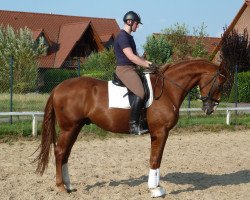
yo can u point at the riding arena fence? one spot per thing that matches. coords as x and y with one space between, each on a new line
17 96
35 115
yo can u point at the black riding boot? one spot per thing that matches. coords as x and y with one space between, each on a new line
134 125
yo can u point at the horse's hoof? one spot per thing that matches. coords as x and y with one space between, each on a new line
61 188
157 192
71 190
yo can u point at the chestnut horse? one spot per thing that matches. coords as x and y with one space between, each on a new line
80 101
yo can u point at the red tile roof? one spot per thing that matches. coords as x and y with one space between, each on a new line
70 33
52 25
37 33
106 38
210 43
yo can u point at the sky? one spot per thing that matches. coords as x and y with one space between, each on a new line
156 15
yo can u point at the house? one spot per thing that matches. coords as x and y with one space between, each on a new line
240 22
67 37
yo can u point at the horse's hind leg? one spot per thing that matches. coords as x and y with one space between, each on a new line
63 148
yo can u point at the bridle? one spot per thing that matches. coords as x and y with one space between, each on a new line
209 95
160 76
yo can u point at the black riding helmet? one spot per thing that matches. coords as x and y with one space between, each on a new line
131 15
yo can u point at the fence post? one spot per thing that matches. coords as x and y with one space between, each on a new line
34 125
11 87
228 117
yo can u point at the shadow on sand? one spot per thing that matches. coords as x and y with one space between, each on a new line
202 181
199 181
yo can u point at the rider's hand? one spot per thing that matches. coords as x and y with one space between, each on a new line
153 68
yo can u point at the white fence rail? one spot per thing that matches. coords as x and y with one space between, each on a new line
33 114
228 111
36 114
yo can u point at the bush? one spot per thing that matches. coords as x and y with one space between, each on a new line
173 44
20 49
193 94
177 36
100 64
243 88
157 49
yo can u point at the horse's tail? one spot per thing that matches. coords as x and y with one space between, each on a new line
48 136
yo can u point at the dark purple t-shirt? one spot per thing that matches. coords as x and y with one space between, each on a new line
123 40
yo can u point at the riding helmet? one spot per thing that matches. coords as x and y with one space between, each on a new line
131 15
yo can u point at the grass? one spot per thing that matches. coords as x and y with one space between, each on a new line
195 123
214 123
23 129
37 102
16 131
23 102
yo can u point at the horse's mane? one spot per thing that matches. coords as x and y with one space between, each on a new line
166 66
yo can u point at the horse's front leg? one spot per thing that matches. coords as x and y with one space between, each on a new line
158 141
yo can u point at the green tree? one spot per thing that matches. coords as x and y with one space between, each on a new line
158 49
177 36
199 49
100 64
20 46
183 47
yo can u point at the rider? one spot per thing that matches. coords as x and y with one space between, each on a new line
127 62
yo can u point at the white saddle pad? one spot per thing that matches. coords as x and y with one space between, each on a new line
117 99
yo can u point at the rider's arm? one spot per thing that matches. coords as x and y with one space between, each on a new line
135 59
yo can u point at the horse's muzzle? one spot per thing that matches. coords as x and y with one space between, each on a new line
209 107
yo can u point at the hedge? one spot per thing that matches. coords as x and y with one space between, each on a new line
243 88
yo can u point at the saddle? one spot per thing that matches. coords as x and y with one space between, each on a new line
131 95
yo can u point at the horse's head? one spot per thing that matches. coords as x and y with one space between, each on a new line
211 87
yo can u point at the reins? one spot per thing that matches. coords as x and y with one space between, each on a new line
203 98
160 75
